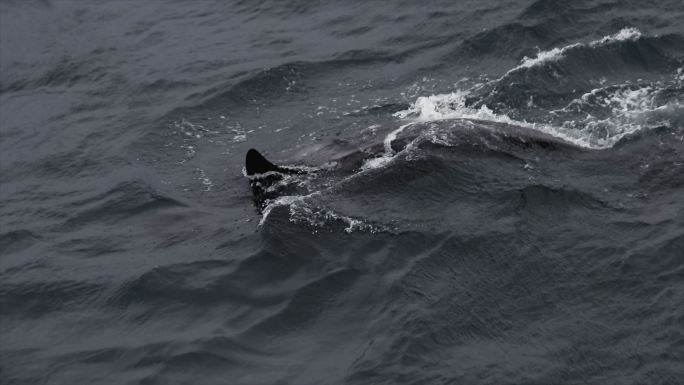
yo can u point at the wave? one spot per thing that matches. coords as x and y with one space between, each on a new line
543 92
17 240
558 53
285 79
27 298
125 200
545 9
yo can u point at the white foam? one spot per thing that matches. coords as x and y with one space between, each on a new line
623 109
558 53
629 110
302 212
448 106
388 155
620 111
629 33
453 106
543 57
378 162
285 200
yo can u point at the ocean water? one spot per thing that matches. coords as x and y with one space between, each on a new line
457 248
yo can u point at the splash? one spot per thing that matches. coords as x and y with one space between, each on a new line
448 106
596 120
606 115
453 106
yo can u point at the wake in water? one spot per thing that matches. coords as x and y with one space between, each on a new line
597 119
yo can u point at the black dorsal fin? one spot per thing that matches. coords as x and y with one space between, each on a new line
255 163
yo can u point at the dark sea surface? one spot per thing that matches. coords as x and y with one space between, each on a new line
465 251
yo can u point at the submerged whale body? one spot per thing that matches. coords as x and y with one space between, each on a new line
268 180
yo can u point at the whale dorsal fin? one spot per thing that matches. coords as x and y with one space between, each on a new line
255 163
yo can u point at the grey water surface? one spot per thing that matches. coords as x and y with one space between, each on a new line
132 251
